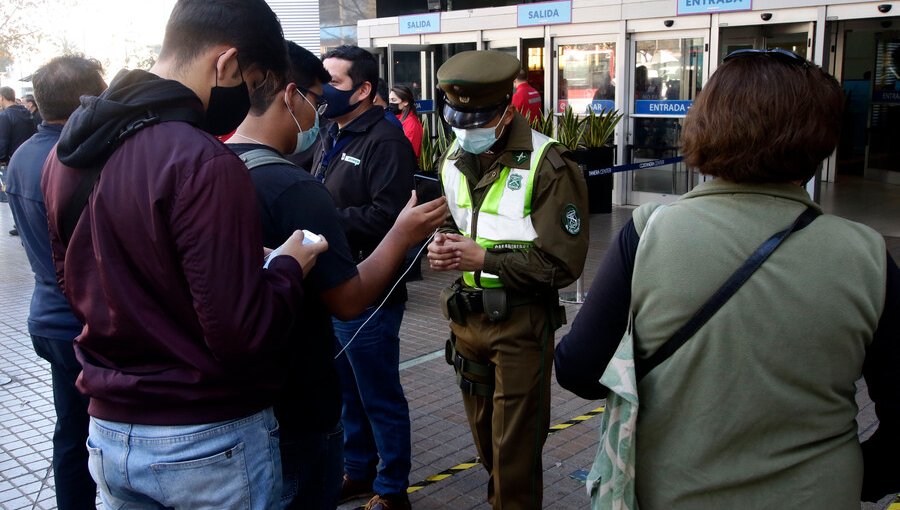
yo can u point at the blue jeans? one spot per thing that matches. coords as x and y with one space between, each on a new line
74 487
375 413
231 464
312 464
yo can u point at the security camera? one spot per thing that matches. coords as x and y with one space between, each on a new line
884 8
766 16
670 22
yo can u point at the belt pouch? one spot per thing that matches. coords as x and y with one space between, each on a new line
496 304
450 305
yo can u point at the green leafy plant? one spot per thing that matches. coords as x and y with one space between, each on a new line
433 146
544 123
444 138
569 128
426 154
598 129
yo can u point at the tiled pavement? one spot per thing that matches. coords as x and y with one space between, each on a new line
440 436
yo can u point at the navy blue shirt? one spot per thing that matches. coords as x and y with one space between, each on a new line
50 314
393 119
290 199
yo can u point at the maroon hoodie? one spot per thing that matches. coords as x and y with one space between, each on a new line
164 268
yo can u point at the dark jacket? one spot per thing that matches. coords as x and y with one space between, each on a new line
50 315
16 126
165 264
370 178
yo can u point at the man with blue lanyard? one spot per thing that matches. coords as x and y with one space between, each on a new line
517 233
368 164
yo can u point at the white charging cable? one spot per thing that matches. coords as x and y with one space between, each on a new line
414 262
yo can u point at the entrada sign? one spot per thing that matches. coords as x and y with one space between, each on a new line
545 13
662 107
708 6
420 24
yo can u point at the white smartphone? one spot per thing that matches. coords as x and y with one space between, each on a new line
308 238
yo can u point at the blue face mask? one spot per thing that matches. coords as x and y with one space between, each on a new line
338 101
305 139
478 140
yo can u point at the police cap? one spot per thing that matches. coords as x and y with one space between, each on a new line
477 85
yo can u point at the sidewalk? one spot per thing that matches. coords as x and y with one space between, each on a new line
440 439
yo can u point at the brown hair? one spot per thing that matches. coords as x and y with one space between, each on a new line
404 93
763 119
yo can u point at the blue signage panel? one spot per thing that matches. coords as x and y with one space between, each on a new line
708 6
662 107
424 105
886 96
602 105
420 24
545 13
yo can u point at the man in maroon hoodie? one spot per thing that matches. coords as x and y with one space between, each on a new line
183 326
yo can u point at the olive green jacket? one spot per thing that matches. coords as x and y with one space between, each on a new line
757 409
557 257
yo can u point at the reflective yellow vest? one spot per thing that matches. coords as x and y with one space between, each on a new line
504 219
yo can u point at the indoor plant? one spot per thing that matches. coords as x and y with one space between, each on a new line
597 152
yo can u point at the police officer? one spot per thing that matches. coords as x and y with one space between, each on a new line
517 233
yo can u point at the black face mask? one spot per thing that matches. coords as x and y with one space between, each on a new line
228 106
394 108
338 101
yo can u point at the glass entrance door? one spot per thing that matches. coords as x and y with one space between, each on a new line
413 66
882 149
586 76
667 75
792 37
867 64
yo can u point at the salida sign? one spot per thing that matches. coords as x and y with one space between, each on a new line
420 24
544 13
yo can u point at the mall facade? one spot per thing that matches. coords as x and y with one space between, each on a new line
649 59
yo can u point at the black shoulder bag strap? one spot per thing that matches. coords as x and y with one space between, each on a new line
71 212
728 289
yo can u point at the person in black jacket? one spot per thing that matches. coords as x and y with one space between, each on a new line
15 128
31 105
15 124
368 164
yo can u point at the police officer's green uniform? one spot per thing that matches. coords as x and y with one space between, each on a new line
525 202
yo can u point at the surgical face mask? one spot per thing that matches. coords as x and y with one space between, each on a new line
394 108
227 108
305 139
338 101
478 140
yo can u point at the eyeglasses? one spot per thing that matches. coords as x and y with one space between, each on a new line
320 106
777 53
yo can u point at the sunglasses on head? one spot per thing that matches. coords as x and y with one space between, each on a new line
320 104
777 53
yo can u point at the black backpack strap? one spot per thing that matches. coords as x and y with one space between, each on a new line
260 157
73 209
728 289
